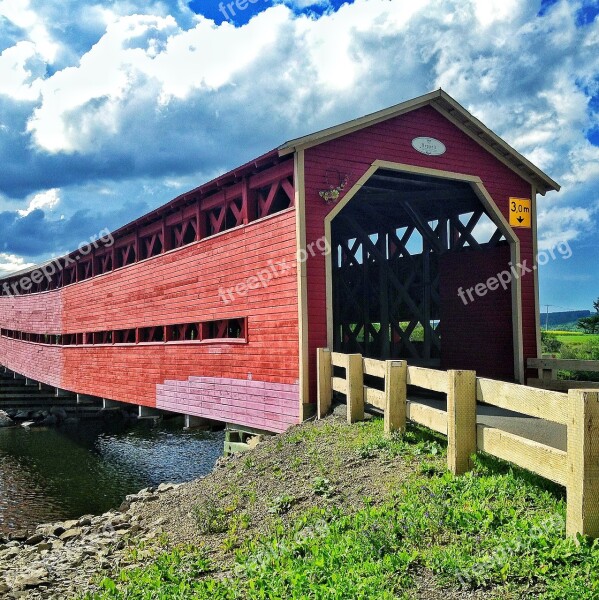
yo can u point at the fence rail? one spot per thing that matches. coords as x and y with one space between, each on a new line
548 368
577 468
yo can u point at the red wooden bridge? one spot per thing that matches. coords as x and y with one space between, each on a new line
374 236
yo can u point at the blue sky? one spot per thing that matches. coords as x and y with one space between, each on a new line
111 108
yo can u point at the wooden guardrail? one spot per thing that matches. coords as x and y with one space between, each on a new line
548 368
577 468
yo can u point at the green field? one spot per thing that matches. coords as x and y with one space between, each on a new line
575 346
575 338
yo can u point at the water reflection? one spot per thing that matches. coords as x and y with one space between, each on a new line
52 474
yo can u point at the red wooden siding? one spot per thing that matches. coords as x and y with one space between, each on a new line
477 335
181 286
391 140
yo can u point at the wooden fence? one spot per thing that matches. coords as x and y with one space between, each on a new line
577 468
548 368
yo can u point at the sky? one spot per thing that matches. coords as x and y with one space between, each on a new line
109 109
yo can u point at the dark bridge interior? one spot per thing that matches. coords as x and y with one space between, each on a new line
387 245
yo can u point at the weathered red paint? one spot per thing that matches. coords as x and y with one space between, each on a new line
179 286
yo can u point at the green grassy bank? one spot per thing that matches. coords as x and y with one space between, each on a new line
334 511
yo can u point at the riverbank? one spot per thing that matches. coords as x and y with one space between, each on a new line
326 510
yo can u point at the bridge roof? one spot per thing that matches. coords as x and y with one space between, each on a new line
452 110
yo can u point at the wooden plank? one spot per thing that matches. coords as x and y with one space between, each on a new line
373 367
583 463
429 379
339 385
324 393
562 385
461 421
566 364
374 397
396 374
355 388
433 418
339 360
546 461
543 404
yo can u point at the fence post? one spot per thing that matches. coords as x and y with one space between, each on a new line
461 420
583 463
355 388
324 395
396 376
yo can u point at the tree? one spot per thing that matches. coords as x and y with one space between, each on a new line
591 324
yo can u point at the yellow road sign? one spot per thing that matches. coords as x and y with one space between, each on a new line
520 212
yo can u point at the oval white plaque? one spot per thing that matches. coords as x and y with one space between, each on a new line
428 146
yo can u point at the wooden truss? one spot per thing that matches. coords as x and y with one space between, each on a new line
386 276
193 217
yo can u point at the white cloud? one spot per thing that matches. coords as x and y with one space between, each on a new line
562 224
20 14
15 74
527 77
47 200
9 263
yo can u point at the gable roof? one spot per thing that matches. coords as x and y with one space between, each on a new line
454 112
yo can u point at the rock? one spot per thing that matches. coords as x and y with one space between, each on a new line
5 420
58 412
36 538
22 414
33 578
44 546
49 529
70 524
165 487
50 420
4 587
72 421
18 536
70 534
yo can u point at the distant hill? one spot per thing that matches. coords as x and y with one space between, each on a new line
560 318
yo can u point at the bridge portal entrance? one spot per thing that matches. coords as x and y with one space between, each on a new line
398 247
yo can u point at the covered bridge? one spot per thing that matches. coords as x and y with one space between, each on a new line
396 235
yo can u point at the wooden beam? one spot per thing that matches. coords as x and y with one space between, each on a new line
542 404
396 378
355 388
375 368
461 421
566 364
430 417
374 397
562 385
546 461
583 463
429 379
324 391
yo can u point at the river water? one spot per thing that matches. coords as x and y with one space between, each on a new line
52 474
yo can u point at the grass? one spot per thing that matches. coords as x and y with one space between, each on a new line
572 345
573 338
498 530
